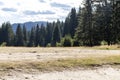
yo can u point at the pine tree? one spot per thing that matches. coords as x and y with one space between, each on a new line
19 36
6 34
56 36
3 33
9 34
25 35
66 29
42 36
116 20
73 22
37 37
84 31
32 38
49 29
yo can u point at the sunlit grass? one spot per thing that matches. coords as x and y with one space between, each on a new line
61 64
106 47
53 49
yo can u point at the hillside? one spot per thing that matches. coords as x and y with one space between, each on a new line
28 25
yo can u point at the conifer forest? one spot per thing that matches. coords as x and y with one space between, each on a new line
96 22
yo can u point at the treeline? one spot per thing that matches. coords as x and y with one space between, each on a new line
97 23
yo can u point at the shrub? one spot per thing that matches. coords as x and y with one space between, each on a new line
66 41
58 44
48 45
3 44
75 43
103 43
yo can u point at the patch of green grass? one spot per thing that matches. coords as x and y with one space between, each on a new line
106 47
61 64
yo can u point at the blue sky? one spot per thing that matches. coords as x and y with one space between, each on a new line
19 11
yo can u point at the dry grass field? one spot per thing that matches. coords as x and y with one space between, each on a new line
21 63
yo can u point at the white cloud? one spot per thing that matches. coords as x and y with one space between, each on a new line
13 10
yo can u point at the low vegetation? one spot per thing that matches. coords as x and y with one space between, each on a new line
61 64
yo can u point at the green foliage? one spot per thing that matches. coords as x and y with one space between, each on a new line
56 36
48 45
42 41
49 30
37 35
25 36
19 38
70 23
32 38
66 41
73 22
94 24
3 44
6 34
75 43
66 29
103 43
58 44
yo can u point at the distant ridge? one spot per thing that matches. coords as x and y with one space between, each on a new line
28 25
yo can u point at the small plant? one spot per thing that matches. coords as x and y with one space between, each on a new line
58 44
66 41
3 44
103 43
48 45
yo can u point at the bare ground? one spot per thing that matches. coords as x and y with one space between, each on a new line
42 54
96 74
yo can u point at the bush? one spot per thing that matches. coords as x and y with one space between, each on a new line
58 44
75 43
66 41
48 45
103 43
3 44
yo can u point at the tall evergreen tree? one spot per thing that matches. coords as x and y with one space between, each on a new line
3 33
42 36
6 34
37 37
66 29
25 35
9 34
49 30
32 38
56 36
73 22
116 20
19 36
84 30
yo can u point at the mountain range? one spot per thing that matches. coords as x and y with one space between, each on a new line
28 25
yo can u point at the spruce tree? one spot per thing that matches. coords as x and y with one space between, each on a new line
56 36
19 38
66 29
42 36
32 38
49 33
7 34
73 22
25 35
37 37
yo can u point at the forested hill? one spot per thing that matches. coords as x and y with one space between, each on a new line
28 25
96 23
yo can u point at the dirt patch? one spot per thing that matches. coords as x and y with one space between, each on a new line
90 74
13 55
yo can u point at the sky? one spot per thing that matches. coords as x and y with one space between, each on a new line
20 11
